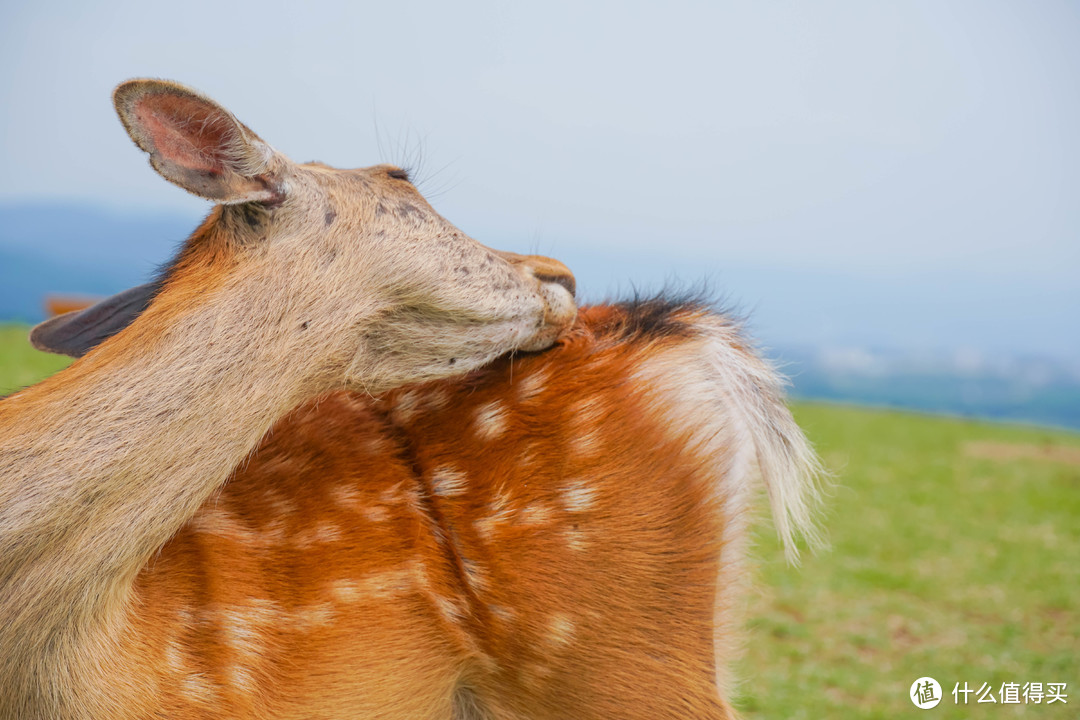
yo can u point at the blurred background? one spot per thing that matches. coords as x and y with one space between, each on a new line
887 190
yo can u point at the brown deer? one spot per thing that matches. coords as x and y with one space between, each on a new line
303 280
553 535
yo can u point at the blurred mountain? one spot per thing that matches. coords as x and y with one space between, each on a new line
78 249
963 382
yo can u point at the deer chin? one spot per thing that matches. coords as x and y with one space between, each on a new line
560 311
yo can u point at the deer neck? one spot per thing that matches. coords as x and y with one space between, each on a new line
101 464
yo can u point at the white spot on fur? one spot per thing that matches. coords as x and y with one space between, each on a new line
282 506
586 443
185 618
197 687
391 583
589 412
475 575
420 574
322 533
407 406
499 513
345 591
446 482
490 420
215 520
438 399
327 532
175 657
578 496
243 627
588 421
212 519
535 514
532 385
503 613
575 539
560 629
376 513
241 678
392 494
310 617
274 533
449 608
346 496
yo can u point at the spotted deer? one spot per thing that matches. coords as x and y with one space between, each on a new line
554 534
303 280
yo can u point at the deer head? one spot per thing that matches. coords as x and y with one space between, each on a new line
351 271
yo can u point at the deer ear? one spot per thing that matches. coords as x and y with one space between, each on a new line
77 333
198 145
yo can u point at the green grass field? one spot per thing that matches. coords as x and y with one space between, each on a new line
955 553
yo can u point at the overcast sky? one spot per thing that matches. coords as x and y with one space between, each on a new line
903 174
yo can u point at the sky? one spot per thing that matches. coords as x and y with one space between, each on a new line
900 175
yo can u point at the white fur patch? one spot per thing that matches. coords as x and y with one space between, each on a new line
243 627
175 657
535 514
376 513
241 678
726 406
317 615
449 608
586 443
213 519
407 406
499 514
490 421
475 575
575 539
578 496
419 572
282 506
274 533
345 591
199 688
447 482
322 533
438 399
560 629
392 583
346 496
532 385
503 613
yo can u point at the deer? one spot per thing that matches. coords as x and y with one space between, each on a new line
555 531
302 280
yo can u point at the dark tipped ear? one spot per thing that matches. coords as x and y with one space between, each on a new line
197 144
77 333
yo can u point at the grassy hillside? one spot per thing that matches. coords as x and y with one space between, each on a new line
21 364
955 554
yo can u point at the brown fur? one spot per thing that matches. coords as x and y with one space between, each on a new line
267 305
538 539
552 535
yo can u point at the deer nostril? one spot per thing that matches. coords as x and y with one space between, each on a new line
564 279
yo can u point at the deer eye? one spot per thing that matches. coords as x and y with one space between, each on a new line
398 174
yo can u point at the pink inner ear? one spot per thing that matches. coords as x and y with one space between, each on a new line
187 131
